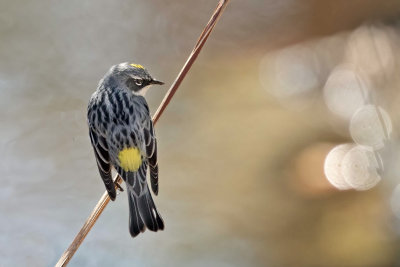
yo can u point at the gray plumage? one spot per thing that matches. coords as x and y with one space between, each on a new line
119 118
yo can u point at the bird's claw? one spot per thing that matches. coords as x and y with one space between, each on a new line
118 186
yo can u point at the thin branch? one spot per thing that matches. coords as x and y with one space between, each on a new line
91 220
192 57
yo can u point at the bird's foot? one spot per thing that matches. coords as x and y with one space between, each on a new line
118 186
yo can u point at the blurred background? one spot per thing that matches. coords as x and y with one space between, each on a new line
281 147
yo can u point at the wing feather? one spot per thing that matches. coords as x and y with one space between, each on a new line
151 152
100 148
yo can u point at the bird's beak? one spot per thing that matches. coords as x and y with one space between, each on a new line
156 82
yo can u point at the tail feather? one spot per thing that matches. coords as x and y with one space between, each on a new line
136 225
144 212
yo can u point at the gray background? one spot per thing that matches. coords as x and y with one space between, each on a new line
225 144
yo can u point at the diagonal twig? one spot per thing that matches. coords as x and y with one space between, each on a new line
102 203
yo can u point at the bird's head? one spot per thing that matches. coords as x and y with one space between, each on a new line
133 77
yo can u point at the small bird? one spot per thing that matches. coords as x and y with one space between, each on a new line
122 135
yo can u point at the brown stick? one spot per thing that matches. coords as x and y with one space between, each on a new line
192 57
67 255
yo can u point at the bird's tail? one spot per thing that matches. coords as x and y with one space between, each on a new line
143 213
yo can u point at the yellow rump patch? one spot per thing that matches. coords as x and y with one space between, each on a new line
137 66
130 159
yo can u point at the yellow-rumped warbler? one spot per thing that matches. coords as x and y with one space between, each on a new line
122 135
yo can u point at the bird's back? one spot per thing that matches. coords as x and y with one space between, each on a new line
120 117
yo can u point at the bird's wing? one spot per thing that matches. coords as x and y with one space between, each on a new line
151 153
103 161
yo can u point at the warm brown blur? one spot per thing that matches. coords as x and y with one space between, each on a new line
279 149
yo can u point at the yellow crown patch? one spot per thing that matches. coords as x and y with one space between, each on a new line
137 66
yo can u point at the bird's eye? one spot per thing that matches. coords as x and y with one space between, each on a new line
138 82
